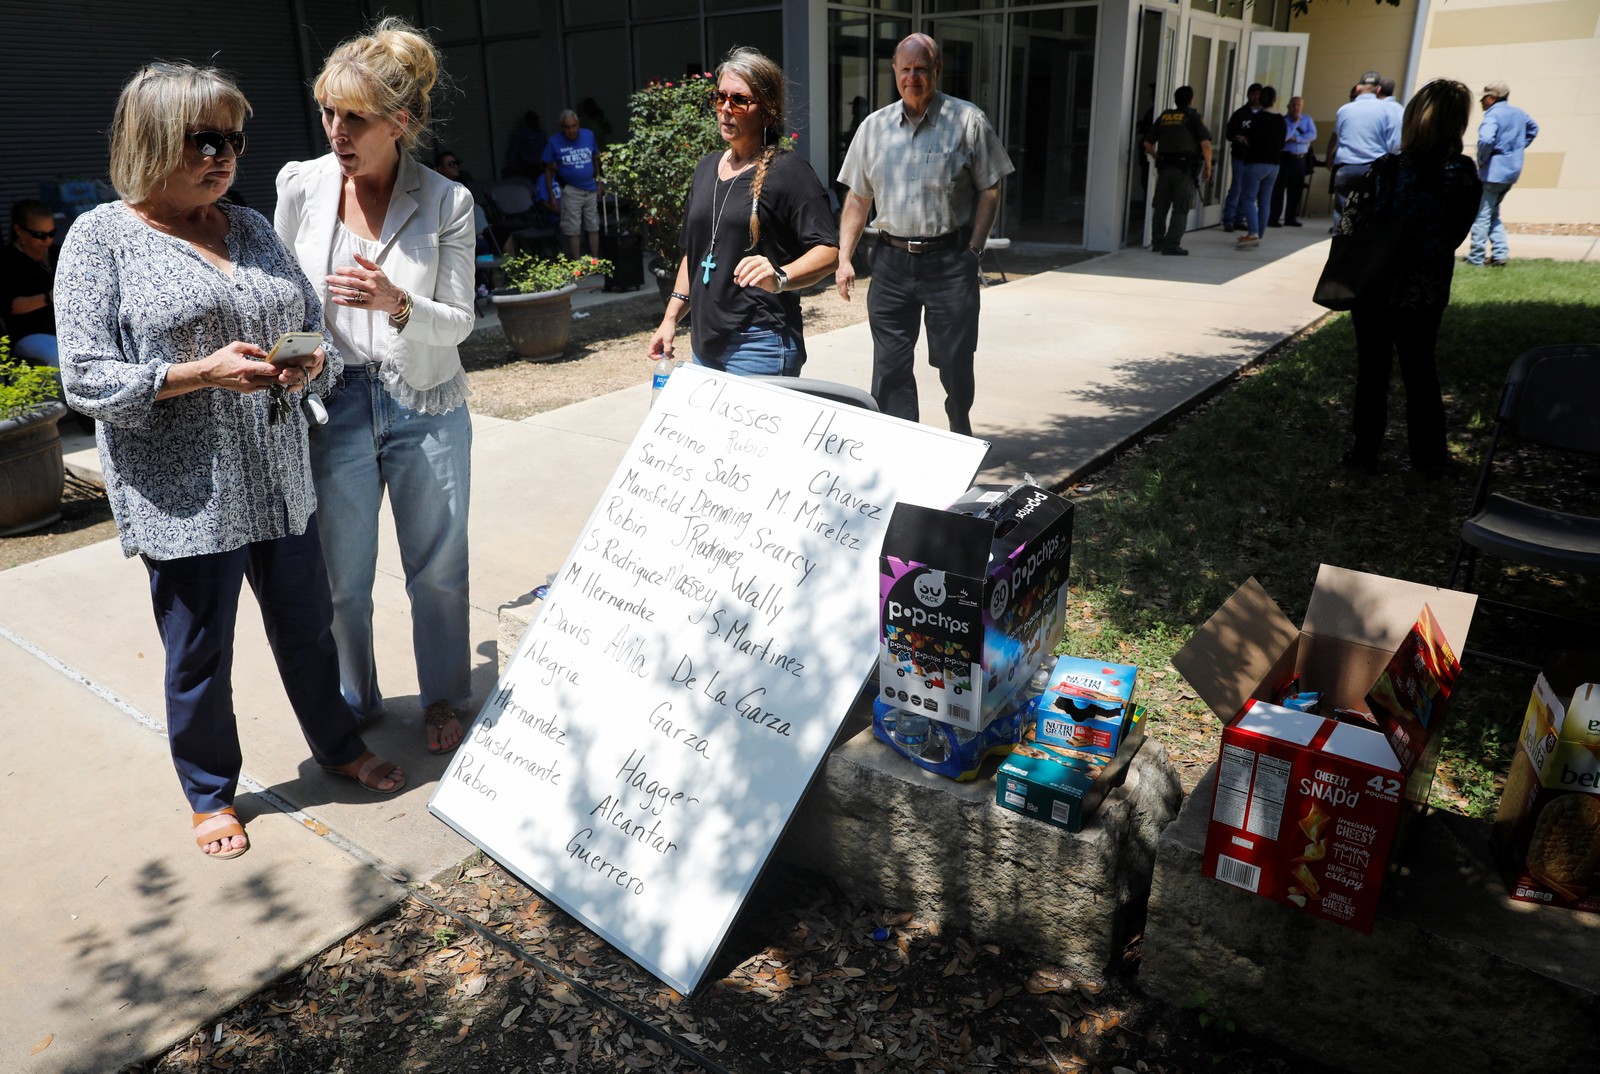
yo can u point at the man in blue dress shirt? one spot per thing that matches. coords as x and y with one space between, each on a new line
1504 133
1363 130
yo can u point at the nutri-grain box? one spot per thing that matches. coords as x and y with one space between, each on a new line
1547 830
1312 808
972 601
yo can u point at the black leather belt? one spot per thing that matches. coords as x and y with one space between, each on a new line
923 246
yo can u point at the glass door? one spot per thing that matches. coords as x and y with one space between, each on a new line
1279 60
1212 70
1033 73
1152 94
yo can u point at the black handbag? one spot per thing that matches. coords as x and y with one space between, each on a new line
1361 257
1358 264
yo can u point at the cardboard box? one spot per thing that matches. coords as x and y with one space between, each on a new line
1064 787
1547 830
1086 704
1311 811
973 599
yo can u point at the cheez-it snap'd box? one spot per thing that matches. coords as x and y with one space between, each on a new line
1312 808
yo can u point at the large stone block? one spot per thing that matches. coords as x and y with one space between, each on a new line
514 622
1454 976
888 832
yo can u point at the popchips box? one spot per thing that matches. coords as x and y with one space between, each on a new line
973 599
1085 705
1311 810
1547 830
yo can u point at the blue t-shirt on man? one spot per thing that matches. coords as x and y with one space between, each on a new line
573 158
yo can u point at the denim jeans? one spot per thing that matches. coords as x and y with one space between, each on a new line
372 443
1488 233
1255 195
1232 211
757 352
196 603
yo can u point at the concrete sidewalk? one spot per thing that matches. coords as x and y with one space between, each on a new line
124 939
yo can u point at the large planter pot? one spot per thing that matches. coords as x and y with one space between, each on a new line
32 475
537 324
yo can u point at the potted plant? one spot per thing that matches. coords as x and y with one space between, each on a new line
32 473
535 306
670 127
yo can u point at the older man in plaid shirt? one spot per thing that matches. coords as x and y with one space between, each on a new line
933 165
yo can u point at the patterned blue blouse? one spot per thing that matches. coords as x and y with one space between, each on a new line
203 472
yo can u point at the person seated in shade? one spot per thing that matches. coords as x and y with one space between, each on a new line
27 283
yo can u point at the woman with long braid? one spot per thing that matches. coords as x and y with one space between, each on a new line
757 228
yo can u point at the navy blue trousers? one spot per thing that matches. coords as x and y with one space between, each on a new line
943 286
196 601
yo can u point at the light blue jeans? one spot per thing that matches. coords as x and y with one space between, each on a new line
758 352
1255 195
372 443
1488 233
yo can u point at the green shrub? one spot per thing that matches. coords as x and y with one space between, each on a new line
24 387
670 127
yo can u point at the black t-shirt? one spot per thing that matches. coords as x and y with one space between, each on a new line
795 216
23 277
1267 133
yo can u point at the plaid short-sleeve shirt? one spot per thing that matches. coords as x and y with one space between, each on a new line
923 176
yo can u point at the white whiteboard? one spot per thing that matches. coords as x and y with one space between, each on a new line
696 654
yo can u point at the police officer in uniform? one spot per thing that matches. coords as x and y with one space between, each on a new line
1181 146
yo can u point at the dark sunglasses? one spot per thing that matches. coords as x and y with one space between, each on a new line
737 101
210 143
39 234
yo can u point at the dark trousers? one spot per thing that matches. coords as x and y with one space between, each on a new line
942 286
196 601
1173 198
1382 332
1289 191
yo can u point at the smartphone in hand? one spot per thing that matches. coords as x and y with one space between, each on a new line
294 349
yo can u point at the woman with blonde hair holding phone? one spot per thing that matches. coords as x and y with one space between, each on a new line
166 304
389 246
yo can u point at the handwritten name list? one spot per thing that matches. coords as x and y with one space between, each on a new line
639 758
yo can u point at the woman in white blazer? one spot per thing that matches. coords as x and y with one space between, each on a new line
389 244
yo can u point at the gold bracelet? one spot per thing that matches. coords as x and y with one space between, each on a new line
399 319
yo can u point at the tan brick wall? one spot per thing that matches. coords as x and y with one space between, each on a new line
1548 50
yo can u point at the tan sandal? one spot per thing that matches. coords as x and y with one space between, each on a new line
219 833
438 717
370 771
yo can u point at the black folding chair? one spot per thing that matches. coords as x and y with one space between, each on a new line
823 389
1550 406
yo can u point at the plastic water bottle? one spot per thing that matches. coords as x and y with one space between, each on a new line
911 731
658 378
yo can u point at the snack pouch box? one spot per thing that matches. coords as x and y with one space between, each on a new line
972 599
1064 787
1547 829
1086 704
1309 811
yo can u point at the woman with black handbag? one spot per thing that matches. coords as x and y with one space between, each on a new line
1400 231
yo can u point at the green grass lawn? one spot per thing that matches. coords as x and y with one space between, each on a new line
1251 484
